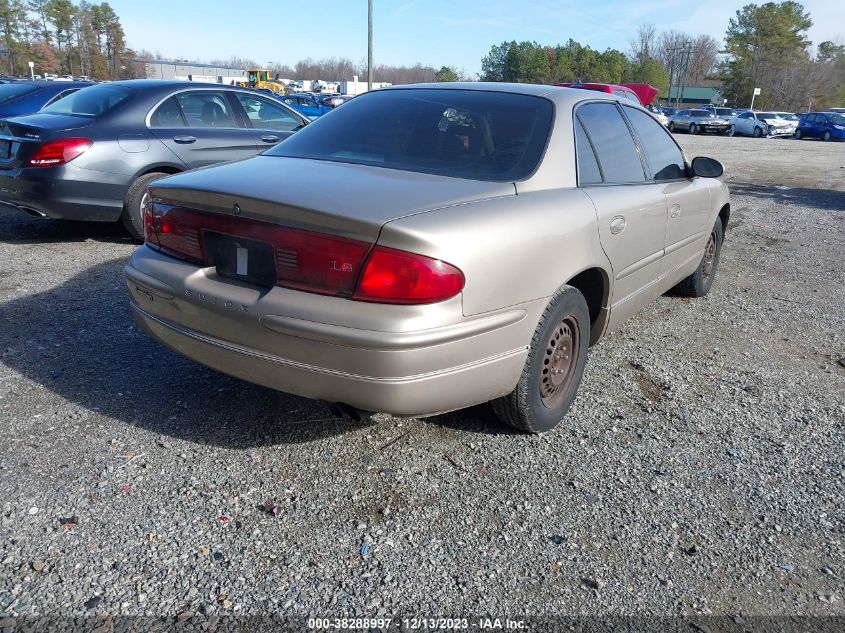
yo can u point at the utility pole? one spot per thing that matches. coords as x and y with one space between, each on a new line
369 44
671 77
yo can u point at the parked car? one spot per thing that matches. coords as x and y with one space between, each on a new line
695 121
837 110
828 126
658 114
760 124
668 111
613 89
25 97
90 155
334 101
408 254
307 104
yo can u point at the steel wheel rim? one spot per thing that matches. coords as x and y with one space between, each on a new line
709 257
560 361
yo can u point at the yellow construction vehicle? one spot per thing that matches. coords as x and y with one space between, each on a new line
260 78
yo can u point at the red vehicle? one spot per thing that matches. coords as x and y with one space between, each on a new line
643 94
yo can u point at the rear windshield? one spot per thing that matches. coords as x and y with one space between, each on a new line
838 119
12 91
701 113
766 116
472 134
92 101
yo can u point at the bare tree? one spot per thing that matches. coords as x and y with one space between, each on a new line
703 60
643 46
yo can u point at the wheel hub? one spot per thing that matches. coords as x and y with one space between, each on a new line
560 361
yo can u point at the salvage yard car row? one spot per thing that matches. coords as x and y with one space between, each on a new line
827 126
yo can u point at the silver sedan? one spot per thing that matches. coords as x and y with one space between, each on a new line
427 248
698 121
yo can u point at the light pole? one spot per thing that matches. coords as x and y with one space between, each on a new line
369 45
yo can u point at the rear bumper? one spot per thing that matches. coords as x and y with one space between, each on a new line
65 192
404 360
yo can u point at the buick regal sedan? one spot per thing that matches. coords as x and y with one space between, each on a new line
427 248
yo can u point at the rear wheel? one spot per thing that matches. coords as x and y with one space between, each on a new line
693 128
826 136
132 217
554 367
699 283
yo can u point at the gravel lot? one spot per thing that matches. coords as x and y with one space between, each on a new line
701 470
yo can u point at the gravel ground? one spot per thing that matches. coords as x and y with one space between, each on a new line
700 471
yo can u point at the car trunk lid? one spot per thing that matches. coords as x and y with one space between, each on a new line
21 136
344 199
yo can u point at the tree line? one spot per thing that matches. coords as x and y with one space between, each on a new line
651 58
765 46
63 37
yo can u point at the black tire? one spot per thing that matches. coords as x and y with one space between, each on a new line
693 128
732 130
699 283
560 340
826 136
758 132
798 134
671 126
132 216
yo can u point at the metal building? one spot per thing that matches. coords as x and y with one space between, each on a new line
185 71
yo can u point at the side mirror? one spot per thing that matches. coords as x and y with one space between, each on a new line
706 167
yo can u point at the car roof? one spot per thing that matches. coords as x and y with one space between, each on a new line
562 96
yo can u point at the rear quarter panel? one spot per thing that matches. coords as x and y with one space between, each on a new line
511 250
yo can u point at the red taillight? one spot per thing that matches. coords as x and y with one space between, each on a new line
307 260
393 276
59 152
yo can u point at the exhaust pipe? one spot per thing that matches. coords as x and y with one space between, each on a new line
348 412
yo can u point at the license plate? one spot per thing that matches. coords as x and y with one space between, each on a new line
250 261
5 149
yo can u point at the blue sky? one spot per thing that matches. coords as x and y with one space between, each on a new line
436 32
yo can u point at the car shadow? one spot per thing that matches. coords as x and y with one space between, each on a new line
78 340
18 228
824 199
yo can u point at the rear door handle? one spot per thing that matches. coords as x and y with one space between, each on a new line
270 139
184 139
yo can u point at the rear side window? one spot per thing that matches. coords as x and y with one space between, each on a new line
615 149
588 167
663 155
62 94
168 114
206 109
91 102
